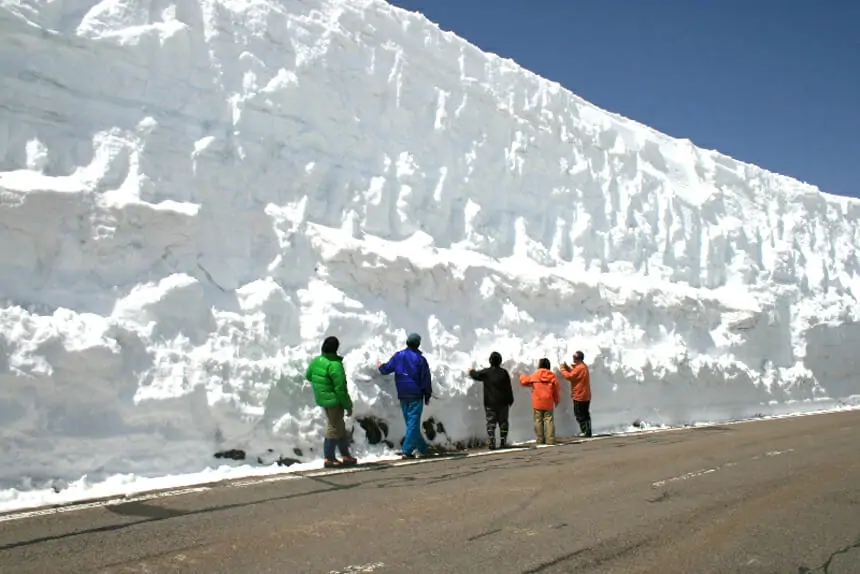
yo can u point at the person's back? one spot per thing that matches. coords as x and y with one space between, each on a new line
328 381
544 384
411 373
498 390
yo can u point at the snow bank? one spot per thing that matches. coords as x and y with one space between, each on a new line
193 193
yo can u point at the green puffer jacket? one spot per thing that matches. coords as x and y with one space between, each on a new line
328 379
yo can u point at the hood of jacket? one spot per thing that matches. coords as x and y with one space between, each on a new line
545 376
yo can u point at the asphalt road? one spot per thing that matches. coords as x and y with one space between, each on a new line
777 496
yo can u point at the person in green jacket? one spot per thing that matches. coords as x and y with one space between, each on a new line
328 379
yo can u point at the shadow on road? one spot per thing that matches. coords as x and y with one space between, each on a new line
154 513
157 514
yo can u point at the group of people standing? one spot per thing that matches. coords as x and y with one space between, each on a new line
414 390
546 394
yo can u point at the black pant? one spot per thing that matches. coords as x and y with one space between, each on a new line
581 410
497 415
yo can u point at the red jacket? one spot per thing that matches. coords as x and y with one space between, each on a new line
580 381
544 386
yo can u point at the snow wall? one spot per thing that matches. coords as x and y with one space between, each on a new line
193 193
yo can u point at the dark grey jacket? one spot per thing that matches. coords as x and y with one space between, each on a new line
497 386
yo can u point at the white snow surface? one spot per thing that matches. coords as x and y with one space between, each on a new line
193 193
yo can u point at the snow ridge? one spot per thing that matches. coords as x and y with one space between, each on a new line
193 193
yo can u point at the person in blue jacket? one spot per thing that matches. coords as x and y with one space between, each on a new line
412 377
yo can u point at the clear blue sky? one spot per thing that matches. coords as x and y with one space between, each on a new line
771 82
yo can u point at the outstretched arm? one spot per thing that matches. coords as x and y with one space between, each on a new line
478 375
388 368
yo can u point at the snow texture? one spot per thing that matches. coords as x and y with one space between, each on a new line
193 193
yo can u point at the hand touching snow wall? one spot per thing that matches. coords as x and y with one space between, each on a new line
193 193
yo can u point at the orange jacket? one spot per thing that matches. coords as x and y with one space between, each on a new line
580 381
544 386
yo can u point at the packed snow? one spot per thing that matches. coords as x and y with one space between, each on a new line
194 193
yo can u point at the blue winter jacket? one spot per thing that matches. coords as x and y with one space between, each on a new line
411 374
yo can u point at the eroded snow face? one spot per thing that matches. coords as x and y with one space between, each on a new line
194 194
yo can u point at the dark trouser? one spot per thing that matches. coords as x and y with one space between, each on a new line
582 413
497 415
335 433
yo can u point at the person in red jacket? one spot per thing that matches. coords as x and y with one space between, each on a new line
545 397
580 391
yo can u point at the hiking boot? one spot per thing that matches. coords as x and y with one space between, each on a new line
404 456
349 461
332 463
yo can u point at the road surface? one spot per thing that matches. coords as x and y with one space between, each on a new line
778 496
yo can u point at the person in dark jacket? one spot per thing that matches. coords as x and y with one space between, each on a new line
498 398
412 377
328 379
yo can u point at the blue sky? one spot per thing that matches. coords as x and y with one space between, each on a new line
771 82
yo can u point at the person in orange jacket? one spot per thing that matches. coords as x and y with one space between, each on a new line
580 391
545 397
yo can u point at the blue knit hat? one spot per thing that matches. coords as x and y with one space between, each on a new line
413 340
